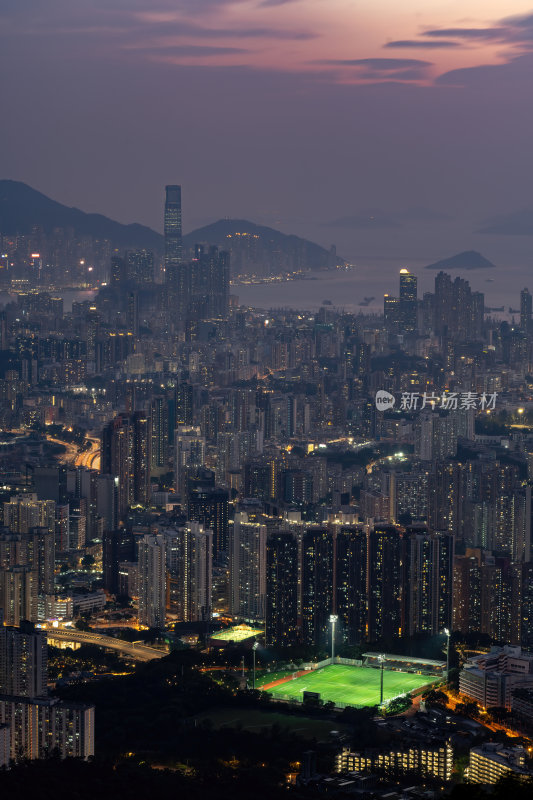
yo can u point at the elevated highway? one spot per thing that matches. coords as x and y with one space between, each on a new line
135 651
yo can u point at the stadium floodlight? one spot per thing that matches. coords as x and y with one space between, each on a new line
447 633
254 648
332 620
381 659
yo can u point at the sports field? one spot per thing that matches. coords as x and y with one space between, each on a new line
352 686
238 633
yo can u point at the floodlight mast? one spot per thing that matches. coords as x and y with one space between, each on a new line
333 619
447 633
254 648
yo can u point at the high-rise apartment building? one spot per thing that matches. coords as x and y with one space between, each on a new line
126 454
23 661
351 606
385 583
160 434
189 561
317 571
209 505
281 607
247 557
152 581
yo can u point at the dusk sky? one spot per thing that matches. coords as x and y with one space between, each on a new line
369 123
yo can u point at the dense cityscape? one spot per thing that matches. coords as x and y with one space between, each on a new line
266 453
320 519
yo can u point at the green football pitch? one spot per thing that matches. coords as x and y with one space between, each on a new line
239 633
352 686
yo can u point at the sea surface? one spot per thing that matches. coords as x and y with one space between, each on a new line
348 289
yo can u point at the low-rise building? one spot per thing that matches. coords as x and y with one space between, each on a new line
491 678
430 760
491 761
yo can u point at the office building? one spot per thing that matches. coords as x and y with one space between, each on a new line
408 301
176 272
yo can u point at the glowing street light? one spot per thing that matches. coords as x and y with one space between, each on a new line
332 620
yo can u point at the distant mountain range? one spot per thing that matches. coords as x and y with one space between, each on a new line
468 260
255 248
22 208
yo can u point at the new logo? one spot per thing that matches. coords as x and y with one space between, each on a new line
384 400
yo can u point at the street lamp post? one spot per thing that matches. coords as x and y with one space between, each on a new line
447 634
254 648
382 662
333 619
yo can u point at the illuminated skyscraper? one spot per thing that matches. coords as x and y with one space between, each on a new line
159 425
350 583
317 585
126 454
408 300
247 552
525 310
175 272
281 613
385 583
189 560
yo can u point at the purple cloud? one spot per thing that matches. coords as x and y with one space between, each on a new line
420 43
401 69
467 33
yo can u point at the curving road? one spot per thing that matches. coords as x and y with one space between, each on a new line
138 652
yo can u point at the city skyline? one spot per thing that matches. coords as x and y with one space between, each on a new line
414 144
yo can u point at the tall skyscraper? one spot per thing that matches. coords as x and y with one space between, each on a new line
317 571
408 300
281 611
175 273
209 505
152 581
247 552
159 430
189 559
350 583
525 310
385 583
126 454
